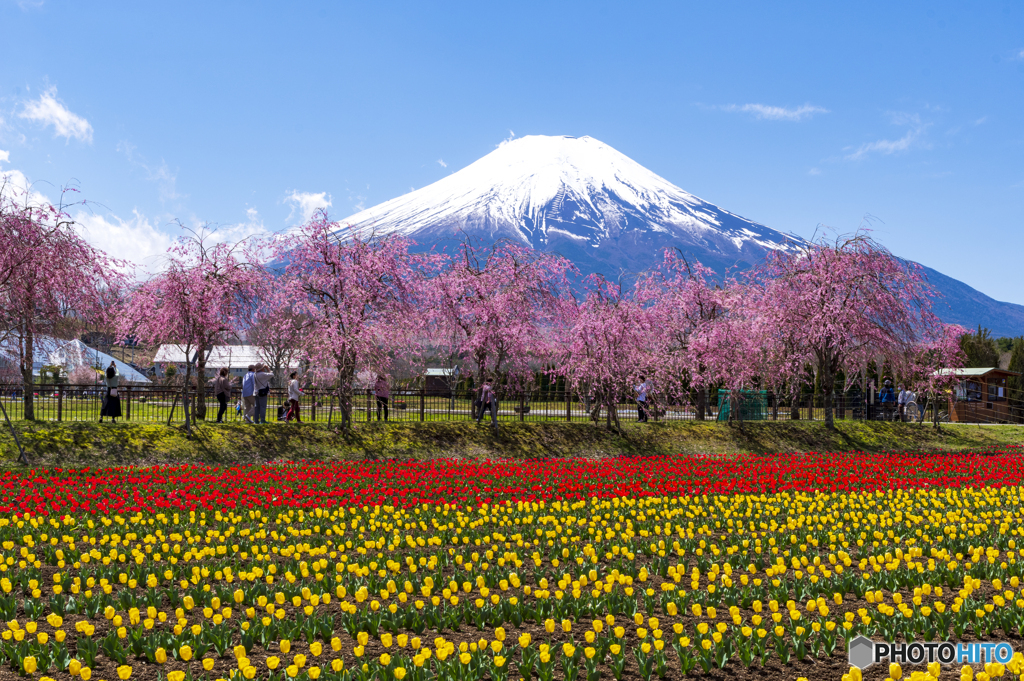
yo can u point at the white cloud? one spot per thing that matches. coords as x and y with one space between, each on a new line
814 171
511 136
15 182
5 156
441 163
776 113
48 110
251 227
136 240
141 242
304 204
887 147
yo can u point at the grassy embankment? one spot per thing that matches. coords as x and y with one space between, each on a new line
92 444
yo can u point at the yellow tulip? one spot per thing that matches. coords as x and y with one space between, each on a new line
124 672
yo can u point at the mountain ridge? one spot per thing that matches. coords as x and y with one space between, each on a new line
579 197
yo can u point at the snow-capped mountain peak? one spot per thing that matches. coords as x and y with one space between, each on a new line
574 195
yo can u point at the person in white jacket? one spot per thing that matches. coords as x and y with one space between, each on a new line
294 394
903 398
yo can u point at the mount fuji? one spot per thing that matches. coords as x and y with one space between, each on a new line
581 198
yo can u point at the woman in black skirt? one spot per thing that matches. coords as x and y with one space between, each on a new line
112 406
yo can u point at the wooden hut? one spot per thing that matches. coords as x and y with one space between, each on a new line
981 396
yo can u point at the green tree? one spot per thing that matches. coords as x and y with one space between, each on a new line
980 348
1015 386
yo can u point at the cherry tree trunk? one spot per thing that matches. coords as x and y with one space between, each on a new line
794 408
28 396
828 384
201 384
345 395
702 403
184 397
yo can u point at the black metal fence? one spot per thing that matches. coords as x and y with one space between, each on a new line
163 404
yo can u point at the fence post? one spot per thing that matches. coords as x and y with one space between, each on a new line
423 405
522 408
369 407
60 402
128 403
568 406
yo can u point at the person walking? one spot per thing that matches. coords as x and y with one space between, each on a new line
488 401
383 394
112 406
903 398
261 382
294 395
641 400
887 398
221 385
249 393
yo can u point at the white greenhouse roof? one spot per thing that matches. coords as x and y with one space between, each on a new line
222 356
71 354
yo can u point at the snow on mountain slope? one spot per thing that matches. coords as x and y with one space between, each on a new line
575 196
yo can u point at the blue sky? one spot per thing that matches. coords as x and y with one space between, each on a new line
248 115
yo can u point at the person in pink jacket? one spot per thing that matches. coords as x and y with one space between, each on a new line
383 394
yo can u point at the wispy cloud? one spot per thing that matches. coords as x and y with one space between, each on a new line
441 163
886 147
165 178
511 136
776 113
304 204
50 111
814 171
5 156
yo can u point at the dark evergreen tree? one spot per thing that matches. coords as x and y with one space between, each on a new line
980 348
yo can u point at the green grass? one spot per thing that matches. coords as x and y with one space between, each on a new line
130 444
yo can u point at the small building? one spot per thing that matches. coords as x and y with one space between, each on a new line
440 381
981 396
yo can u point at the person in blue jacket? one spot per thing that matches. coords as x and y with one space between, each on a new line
887 398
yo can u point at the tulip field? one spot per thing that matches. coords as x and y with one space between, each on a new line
738 567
